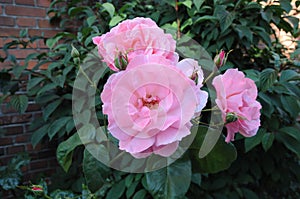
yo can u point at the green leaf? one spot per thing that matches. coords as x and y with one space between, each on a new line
50 108
267 107
19 102
140 194
187 3
87 133
267 78
65 149
91 20
75 10
291 131
109 8
52 41
265 36
290 142
128 180
115 20
291 105
198 3
38 135
205 18
286 5
267 15
267 141
117 190
47 87
172 181
244 31
59 80
248 194
219 158
252 142
131 189
23 33
288 75
33 82
57 125
294 21
94 171
226 18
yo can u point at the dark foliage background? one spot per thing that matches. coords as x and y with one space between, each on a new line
267 165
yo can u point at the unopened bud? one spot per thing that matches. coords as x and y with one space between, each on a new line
231 117
74 52
121 61
220 59
37 188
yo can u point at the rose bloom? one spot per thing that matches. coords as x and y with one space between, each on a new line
236 95
150 105
138 36
192 70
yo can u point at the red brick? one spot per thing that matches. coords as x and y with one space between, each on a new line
2 53
25 11
25 2
33 107
29 147
41 44
23 53
4 160
7 21
0 9
5 1
15 149
44 3
44 23
13 130
5 141
32 64
47 33
39 164
26 22
3 41
5 65
8 32
24 138
14 119
7 109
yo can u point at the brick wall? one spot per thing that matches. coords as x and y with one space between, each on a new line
16 15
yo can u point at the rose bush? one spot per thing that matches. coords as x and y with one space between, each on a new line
215 25
236 97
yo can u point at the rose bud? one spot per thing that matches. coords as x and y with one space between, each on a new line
36 188
220 59
121 61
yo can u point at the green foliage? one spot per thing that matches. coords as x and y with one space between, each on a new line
219 158
11 174
248 168
170 182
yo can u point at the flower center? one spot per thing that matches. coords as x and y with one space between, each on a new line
150 101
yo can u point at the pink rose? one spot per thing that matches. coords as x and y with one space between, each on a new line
236 97
138 36
193 71
149 106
